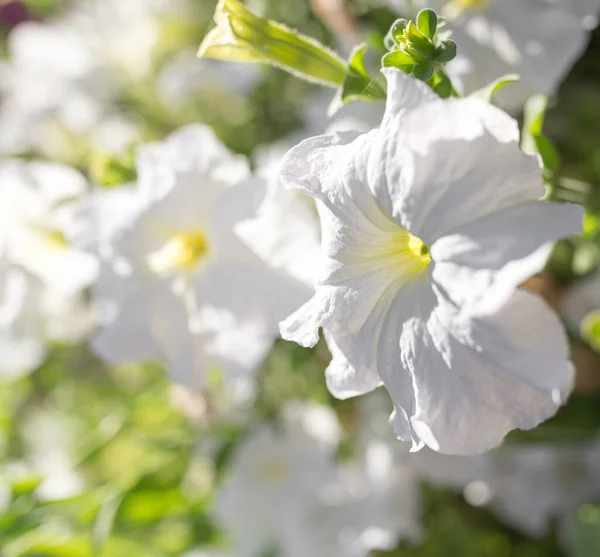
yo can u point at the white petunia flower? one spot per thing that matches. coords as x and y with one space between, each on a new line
537 39
372 504
287 493
180 284
430 223
277 473
36 215
285 231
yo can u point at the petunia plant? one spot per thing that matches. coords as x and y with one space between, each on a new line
417 49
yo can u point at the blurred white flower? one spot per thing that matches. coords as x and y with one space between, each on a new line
276 473
371 505
286 492
285 231
430 223
540 40
42 276
185 77
54 77
49 443
67 74
35 218
180 283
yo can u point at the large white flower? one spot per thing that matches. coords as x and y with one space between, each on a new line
538 39
181 285
430 223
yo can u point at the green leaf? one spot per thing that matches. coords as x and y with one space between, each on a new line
548 152
427 23
533 122
398 59
105 519
358 85
487 93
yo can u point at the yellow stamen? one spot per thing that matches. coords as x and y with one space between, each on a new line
471 4
276 470
54 239
183 251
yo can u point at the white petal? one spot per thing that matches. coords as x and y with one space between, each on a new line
404 93
192 149
477 380
449 163
479 265
128 338
345 379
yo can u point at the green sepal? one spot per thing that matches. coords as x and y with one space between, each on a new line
398 59
445 52
359 85
487 93
427 23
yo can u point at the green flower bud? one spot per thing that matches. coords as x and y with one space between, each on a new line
242 36
445 51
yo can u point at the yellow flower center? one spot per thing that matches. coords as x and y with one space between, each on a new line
454 8
276 470
182 252
471 4
54 239
411 254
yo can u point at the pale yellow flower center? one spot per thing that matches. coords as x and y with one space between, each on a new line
54 239
471 4
276 470
411 255
182 252
454 8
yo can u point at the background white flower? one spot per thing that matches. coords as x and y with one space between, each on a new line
287 492
539 40
430 224
181 285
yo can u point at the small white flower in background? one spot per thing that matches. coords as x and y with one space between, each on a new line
185 77
182 286
538 39
22 343
36 212
372 504
42 276
286 492
66 74
49 444
53 78
430 223
276 473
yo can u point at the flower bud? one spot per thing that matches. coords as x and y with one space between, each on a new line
242 36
